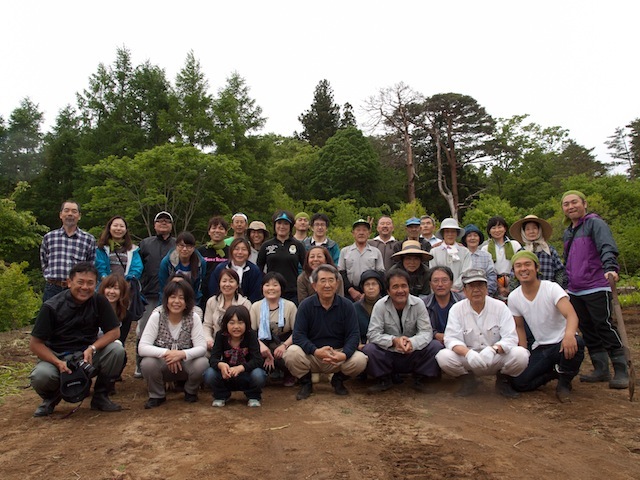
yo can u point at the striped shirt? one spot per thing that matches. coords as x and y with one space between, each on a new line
59 252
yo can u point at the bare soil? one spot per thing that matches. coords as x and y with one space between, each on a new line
398 434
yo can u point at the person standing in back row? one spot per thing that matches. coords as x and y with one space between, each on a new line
61 249
591 259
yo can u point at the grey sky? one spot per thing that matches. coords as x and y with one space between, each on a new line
566 63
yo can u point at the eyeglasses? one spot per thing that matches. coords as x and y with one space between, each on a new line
163 220
182 246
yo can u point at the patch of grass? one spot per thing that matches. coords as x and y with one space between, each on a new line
630 299
13 378
346 411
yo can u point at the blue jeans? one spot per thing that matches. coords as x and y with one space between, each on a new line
250 383
51 290
541 366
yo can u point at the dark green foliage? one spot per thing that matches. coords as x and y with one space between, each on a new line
322 120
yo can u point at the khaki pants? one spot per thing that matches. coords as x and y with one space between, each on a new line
299 363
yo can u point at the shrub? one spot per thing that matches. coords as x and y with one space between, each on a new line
18 302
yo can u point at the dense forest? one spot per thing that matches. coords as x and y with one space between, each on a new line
136 143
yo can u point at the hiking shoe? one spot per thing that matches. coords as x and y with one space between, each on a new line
384 383
289 381
46 407
190 397
154 402
503 386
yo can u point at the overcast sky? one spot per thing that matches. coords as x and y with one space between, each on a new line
566 63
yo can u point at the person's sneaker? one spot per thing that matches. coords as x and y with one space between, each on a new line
137 373
219 402
384 383
254 402
289 381
190 397
154 402
504 388
103 403
338 385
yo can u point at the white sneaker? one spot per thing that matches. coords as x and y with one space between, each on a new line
253 403
137 373
219 403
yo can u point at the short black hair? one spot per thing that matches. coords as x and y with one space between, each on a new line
497 220
70 201
319 216
441 268
83 267
398 272
275 276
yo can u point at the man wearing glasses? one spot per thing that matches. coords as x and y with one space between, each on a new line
481 339
319 225
152 250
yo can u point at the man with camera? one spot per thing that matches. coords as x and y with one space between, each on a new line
68 324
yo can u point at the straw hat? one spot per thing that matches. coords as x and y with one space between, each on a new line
412 247
516 229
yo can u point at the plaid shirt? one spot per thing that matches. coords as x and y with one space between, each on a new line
59 252
551 267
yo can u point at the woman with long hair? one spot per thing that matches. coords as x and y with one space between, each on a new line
116 253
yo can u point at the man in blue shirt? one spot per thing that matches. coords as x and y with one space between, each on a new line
325 336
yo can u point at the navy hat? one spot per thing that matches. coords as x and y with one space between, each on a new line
471 228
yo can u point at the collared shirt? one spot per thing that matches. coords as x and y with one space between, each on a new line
59 252
482 260
386 324
355 263
551 267
494 325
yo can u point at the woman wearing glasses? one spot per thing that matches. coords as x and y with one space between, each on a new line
186 262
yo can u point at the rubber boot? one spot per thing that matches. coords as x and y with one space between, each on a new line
563 389
620 372
503 386
48 404
100 400
337 382
306 387
469 385
383 383
600 373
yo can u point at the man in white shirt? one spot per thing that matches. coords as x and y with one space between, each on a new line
481 339
557 351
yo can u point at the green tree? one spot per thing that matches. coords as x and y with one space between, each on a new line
322 120
18 302
121 110
348 118
347 167
19 231
624 147
179 179
236 117
488 206
291 164
192 105
21 146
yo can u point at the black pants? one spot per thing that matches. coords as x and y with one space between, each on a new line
594 315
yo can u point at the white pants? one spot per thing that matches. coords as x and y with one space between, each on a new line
512 363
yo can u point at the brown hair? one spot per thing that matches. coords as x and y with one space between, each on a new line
327 258
105 236
118 280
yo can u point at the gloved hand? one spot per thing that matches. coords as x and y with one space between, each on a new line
487 354
475 360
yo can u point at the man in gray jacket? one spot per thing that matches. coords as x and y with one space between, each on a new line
401 338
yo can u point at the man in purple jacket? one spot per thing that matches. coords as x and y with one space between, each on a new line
591 258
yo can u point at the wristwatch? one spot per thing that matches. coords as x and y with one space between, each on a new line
93 349
495 348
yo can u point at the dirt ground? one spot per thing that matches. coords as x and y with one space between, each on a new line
398 434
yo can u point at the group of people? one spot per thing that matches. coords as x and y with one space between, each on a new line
239 310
